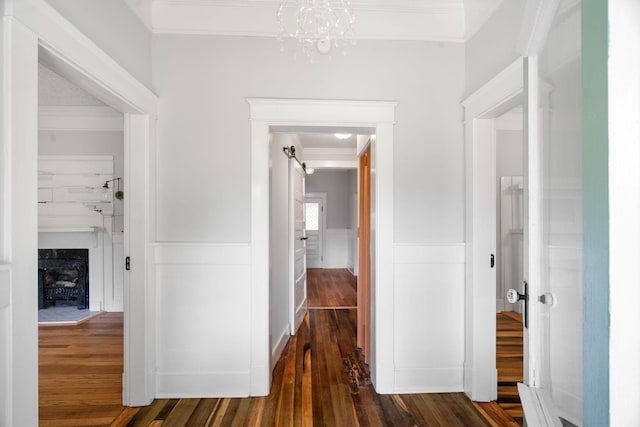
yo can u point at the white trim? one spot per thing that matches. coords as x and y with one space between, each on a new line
86 64
497 96
435 21
79 119
332 151
332 164
419 380
202 385
536 23
270 112
71 54
281 342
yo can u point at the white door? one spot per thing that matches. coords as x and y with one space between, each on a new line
314 218
297 247
553 243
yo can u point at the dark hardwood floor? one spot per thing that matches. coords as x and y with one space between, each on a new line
331 288
321 381
509 354
80 372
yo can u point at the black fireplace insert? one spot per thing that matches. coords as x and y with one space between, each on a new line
63 275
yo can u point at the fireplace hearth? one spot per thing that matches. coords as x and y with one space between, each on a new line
63 277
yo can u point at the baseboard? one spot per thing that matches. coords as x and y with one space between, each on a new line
415 380
202 385
276 350
352 271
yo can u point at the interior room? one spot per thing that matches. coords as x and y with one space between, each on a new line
149 145
80 202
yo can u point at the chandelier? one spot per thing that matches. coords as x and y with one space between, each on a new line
316 24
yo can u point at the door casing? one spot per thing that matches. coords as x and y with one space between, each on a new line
39 33
379 115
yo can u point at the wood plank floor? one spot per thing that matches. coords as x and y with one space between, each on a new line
319 381
80 371
331 288
509 354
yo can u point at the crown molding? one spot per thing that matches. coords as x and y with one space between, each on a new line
384 20
59 118
329 151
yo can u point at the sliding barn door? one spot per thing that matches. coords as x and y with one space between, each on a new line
297 246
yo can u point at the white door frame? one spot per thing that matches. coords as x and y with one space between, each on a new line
499 95
323 221
265 113
33 30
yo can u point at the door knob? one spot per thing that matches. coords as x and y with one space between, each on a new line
303 238
514 296
547 299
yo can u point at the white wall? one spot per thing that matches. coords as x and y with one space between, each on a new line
89 143
337 185
204 189
115 29
279 245
338 234
204 83
493 47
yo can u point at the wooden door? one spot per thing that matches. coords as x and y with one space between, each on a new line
364 259
297 247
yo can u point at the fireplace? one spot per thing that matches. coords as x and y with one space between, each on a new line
63 277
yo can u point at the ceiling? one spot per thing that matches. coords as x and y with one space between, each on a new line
54 90
432 20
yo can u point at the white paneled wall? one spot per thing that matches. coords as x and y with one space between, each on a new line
429 317
76 212
203 319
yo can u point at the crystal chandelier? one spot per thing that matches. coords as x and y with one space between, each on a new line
317 24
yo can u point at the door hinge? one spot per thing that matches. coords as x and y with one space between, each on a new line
127 263
493 260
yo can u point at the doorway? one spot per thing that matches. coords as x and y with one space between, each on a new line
509 187
40 35
268 115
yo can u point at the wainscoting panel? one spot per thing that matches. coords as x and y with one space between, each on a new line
429 317
203 320
565 280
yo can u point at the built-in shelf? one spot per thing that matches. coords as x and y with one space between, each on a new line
69 230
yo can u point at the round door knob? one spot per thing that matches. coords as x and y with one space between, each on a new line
512 296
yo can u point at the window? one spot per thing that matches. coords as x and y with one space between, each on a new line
312 214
